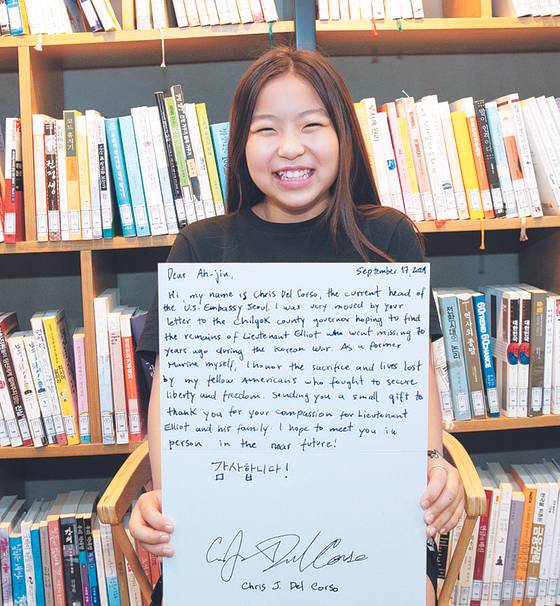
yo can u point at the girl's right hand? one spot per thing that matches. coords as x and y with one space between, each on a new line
148 525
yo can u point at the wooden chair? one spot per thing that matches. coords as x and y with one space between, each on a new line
135 473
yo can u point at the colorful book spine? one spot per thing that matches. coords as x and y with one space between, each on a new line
40 181
117 375
135 421
111 578
122 190
220 140
37 565
13 201
72 174
8 413
62 189
82 560
19 591
91 562
52 180
78 339
105 182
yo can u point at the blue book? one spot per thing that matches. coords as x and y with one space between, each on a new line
486 355
19 592
220 139
88 568
14 16
37 556
139 207
455 354
118 166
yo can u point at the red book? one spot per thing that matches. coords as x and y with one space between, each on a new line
481 552
136 424
13 201
8 323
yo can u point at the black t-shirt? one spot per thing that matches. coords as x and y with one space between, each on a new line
244 237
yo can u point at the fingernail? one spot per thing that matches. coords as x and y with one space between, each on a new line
431 531
424 504
429 518
167 551
165 537
443 531
169 528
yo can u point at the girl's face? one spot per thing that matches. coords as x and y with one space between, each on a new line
292 151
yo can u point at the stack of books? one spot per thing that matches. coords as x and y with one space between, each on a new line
500 352
513 557
154 14
21 17
58 552
436 160
369 9
43 385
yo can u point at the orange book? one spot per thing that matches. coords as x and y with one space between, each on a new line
136 425
529 490
55 549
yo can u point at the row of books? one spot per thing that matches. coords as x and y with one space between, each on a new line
21 17
513 558
500 352
525 8
154 14
43 382
56 552
369 9
468 159
161 167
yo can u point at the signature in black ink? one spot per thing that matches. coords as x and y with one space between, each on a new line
283 549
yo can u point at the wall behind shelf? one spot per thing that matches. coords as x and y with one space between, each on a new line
9 98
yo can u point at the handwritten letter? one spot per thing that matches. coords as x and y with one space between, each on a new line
294 432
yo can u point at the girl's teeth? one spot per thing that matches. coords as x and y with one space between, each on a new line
294 175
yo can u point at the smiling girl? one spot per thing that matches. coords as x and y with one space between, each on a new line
299 189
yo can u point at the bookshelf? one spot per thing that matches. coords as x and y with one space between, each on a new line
467 29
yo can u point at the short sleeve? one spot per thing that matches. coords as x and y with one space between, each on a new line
181 252
405 247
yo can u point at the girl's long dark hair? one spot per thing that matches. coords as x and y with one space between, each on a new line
353 193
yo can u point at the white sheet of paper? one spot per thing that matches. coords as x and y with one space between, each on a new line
294 432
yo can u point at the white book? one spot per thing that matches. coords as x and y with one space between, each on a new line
366 9
510 142
555 406
393 9
406 10
148 166
41 210
511 8
93 160
4 437
62 16
489 483
334 10
62 189
524 152
417 8
256 11
431 102
40 386
270 12
344 10
378 152
539 144
102 305
378 8
105 180
213 16
453 161
160 17
407 109
245 13
28 563
106 15
83 174
202 12
35 17
554 579
8 413
551 133
180 13
535 8
111 575
439 363
224 12
162 170
24 378
49 16
506 489
201 168
426 126
99 562
47 372
192 12
548 354
117 374
143 14
464 584
354 6
394 183
134 594
323 10
233 11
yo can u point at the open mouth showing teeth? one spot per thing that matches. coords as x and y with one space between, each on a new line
294 175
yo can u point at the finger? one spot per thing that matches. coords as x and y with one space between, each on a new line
446 496
150 536
436 484
150 511
163 551
445 520
454 520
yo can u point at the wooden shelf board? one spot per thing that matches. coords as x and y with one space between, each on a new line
504 423
118 243
440 36
144 47
431 227
53 451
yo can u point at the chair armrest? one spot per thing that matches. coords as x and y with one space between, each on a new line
127 484
475 497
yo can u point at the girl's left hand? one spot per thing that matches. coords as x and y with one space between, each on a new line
444 497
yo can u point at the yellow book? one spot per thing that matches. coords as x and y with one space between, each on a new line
529 490
24 17
360 109
408 158
210 158
61 356
72 174
466 161
83 177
